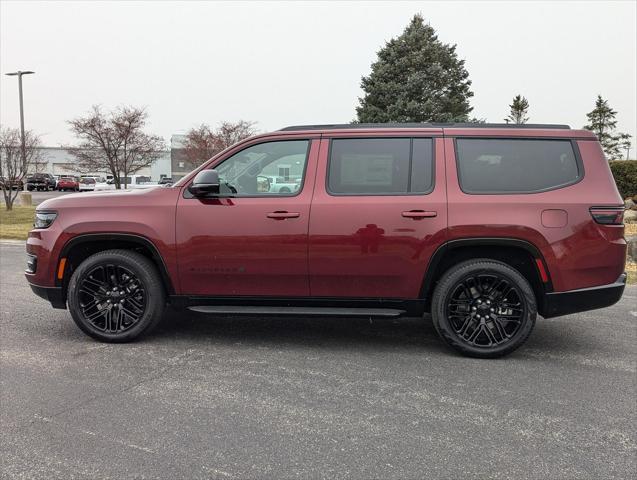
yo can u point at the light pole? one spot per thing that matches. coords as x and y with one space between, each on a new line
19 74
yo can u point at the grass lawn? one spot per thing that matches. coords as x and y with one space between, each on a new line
16 223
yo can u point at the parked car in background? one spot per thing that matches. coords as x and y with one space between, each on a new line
132 182
89 183
41 181
52 181
68 183
15 184
482 226
283 185
165 181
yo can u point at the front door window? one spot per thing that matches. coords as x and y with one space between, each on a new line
255 171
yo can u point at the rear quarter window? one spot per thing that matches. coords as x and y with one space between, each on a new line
516 165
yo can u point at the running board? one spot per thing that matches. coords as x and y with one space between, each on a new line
298 311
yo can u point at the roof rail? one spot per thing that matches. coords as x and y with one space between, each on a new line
352 126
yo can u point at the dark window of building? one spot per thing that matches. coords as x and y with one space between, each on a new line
515 165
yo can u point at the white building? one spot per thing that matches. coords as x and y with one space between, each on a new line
57 161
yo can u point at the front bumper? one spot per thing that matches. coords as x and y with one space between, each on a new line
55 295
573 301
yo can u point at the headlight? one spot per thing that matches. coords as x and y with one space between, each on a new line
44 219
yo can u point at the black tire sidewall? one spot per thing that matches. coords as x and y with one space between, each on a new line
146 273
449 281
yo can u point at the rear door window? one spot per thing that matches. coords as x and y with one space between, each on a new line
515 165
380 166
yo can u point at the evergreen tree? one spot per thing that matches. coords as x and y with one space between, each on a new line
518 110
602 122
416 78
625 143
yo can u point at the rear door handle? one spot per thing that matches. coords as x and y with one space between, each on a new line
416 214
283 215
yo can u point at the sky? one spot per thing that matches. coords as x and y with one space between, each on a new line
287 63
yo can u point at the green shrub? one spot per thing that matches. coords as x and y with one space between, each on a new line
625 173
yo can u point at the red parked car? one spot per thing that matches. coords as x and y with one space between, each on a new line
68 183
483 226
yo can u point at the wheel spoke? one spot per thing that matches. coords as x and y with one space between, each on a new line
465 325
99 286
476 331
95 315
118 318
500 328
91 304
134 316
133 301
489 334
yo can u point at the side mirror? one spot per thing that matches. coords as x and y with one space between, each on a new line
206 182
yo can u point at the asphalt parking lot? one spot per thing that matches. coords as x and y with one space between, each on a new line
206 397
38 197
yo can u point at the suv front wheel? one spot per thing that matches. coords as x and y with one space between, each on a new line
116 295
484 308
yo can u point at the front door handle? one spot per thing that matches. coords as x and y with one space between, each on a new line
280 215
417 214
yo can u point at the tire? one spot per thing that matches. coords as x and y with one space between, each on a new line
474 313
112 317
284 190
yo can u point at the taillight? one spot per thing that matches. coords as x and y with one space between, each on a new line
608 215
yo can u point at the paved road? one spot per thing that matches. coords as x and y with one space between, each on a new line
311 398
38 197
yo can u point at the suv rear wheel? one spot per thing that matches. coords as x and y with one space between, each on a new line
484 308
116 295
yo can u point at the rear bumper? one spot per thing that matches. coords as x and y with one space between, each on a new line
573 301
52 294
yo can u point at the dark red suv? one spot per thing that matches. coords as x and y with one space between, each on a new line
483 226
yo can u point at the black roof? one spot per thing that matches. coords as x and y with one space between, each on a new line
349 126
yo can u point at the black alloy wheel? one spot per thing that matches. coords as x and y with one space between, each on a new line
112 298
116 295
484 308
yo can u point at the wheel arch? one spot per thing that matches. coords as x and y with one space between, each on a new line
519 254
81 247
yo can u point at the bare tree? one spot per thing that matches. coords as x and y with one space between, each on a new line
203 142
14 168
114 143
200 144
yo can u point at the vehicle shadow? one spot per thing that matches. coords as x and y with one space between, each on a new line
324 332
336 333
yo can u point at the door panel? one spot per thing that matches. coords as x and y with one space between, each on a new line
246 245
374 246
